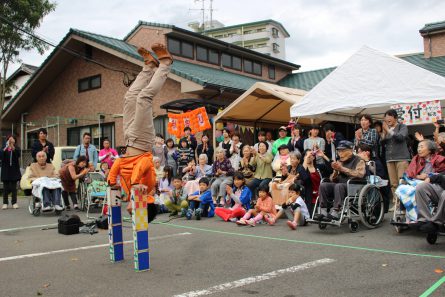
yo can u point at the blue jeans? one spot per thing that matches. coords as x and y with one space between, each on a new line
51 196
256 183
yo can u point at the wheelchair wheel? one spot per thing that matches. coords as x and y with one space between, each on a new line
371 206
322 226
82 195
399 229
431 238
31 205
353 226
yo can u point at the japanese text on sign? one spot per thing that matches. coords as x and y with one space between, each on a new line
418 113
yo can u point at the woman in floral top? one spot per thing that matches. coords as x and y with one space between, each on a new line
223 172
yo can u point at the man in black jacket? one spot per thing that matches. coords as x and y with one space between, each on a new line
42 144
431 191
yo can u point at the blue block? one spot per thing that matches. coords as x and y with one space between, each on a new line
142 240
117 234
116 215
118 252
143 261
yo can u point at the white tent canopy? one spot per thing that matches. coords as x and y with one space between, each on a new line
369 82
262 103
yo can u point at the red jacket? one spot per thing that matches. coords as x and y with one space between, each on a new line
417 164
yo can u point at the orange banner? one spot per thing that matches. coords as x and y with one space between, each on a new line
196 119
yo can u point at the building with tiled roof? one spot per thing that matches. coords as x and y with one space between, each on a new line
81 85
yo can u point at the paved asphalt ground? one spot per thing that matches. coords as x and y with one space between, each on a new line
193 258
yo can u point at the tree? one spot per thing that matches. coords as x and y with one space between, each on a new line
18 21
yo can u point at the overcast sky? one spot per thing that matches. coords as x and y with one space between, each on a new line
323 33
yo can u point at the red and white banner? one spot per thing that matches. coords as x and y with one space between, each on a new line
419 113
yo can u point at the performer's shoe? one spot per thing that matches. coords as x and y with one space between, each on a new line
161 51
148 57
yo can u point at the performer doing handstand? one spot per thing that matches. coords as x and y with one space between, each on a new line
136 167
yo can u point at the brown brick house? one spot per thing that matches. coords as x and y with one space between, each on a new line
80 86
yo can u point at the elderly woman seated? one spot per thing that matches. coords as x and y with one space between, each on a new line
46 184
425 163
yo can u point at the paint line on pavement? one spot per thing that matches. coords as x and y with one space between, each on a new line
84 248
433 287
375 250
254 279
27 227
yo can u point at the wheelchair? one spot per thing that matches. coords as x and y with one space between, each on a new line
85 189
400 220
35 205
363 203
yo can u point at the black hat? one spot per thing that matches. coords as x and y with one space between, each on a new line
283 146
345 145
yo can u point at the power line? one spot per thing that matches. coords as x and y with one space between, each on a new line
126 80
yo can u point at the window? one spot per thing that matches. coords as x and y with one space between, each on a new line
75 134
207 55
272 71
248 46
261 29
248 66
275 33
231 61
275 47
218 36
252 67
180 48
213 56
202 54
89 83
257 68
248 32
236 62
261 45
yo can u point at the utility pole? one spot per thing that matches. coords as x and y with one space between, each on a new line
211 14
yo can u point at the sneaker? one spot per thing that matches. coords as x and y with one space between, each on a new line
241 222
251 222
47 208
76 207
269 219
5 206
183 212
188 215
292 225
233 220
333 215
148 57
198 214
67 207
15 206
58 207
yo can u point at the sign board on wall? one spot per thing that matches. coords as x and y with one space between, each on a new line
419 113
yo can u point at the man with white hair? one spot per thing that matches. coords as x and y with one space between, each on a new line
41 169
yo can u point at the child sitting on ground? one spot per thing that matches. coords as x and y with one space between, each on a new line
264 209
201 201
165 188
295 208
177 202
239 196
